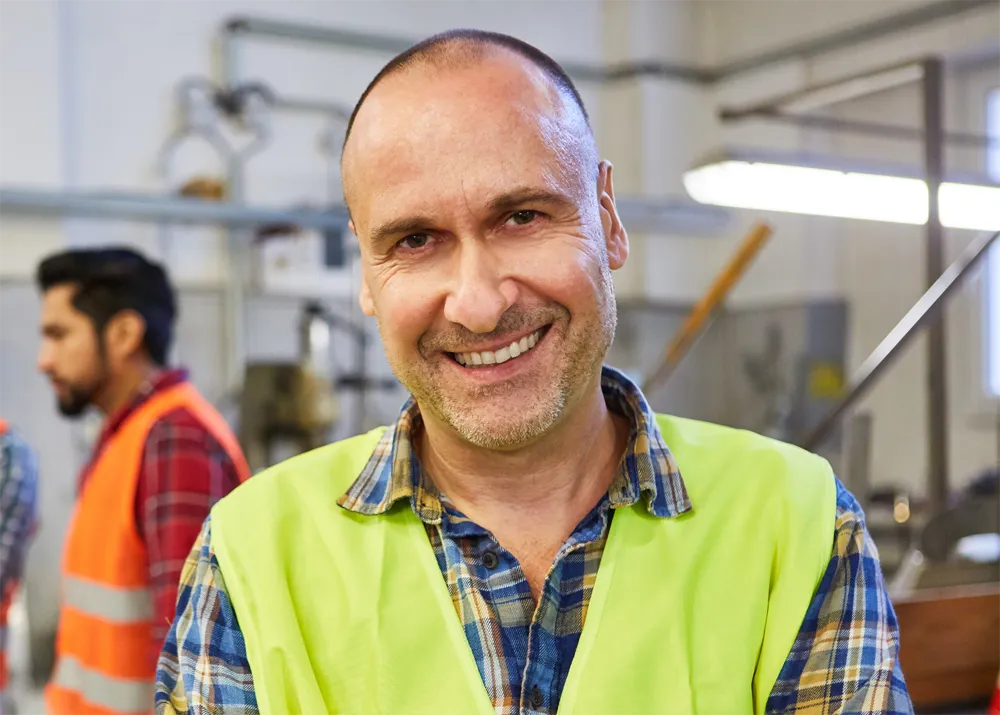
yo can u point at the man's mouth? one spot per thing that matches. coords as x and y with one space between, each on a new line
512 351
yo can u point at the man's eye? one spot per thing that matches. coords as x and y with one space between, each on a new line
415 240
522 218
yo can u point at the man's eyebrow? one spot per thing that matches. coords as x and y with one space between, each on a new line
399 227
517 198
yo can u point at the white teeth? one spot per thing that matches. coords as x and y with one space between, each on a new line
508 352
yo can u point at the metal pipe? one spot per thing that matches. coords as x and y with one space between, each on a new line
853 36
841 89
922 312
390 44
137 207
937 353
890 131
703 312
847 88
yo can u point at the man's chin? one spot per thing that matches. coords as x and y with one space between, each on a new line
72 410
504 427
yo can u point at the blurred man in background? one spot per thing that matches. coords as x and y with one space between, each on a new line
18 517
164 457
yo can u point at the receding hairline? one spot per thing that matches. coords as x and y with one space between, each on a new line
456 48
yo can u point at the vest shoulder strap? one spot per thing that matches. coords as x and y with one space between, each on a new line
327 471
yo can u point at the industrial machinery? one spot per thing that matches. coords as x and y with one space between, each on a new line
291 407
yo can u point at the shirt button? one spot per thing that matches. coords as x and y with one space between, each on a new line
536 697
490 559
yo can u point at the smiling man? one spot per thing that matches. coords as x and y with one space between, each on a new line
528 537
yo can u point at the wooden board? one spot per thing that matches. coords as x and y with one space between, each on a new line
950 644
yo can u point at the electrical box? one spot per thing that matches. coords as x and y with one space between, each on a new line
308 264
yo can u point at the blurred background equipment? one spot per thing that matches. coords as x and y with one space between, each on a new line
294 404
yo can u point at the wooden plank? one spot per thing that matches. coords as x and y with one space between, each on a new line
950 644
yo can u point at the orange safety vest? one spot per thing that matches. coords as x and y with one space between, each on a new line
103 662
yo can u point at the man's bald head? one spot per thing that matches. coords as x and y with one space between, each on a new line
460 48
448 89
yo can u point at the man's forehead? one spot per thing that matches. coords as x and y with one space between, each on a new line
417 107
497 124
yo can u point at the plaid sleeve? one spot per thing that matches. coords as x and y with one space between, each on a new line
203 669
185 471
844 659
18 506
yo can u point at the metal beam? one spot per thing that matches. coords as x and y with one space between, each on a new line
889 131
937 354
137 207
922 312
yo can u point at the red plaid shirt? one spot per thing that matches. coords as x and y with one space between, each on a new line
184 472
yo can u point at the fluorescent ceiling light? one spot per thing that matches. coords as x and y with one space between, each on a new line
770 186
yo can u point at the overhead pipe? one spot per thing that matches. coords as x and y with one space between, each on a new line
137 207
392 44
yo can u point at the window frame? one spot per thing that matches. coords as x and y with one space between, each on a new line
991 272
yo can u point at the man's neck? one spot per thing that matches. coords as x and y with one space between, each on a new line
123 388
539 493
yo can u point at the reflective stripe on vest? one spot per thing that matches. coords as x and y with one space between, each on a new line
663 631
115 605
95 688
106 657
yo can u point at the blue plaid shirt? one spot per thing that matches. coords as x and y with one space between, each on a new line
18 507
844 659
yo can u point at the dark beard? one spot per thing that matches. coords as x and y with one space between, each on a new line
77 403
82 397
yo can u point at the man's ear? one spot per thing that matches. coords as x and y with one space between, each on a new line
365 297
365 294
615 236
123 334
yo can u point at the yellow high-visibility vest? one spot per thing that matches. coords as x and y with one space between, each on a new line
345 613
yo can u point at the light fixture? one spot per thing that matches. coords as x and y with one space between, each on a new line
819 187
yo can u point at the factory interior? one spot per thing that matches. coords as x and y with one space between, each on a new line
776 164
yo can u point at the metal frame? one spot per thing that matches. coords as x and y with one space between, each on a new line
929 72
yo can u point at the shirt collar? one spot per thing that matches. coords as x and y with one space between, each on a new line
648 470
157 382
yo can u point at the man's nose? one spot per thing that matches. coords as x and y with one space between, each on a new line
480 292
44 360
